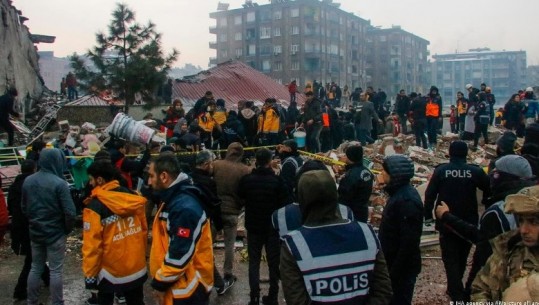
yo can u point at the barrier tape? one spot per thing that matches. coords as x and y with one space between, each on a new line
324 159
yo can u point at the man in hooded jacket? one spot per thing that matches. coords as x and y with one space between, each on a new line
433 113
47 203
401 227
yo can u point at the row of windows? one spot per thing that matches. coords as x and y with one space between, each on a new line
331 49
266 33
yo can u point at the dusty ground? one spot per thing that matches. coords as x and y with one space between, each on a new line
430 287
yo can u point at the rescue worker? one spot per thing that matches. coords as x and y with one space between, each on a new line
129 168
312 272
268 123
115 236
355 187
181 258
262 192
401 227
208 124
514 262
456 184
433 112
289 218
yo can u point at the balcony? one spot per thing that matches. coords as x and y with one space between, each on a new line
213 45
213 61
213 29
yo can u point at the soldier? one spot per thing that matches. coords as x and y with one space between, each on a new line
514 263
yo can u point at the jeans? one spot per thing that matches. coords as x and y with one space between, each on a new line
432 128
403 120
292 97
403 289
21 287
313 137
419 130
230 230
54 254
363 136
72 93
455 252
134 296
255 242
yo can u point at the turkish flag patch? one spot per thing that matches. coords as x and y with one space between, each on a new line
183 232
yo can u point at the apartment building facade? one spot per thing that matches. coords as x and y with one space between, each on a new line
504 71
397 59
302 40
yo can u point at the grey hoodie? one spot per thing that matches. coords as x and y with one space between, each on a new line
46 199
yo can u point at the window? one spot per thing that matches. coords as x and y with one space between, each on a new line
277 15
295 65
237 20
294 48
222 21
383 38
239 52
277 50
266 65
252 50
295 30
237 36
251 17
224 53
265 32
278 66
265 50
334 49
277 32
294 12
222 37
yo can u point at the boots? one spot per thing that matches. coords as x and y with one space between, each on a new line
254 301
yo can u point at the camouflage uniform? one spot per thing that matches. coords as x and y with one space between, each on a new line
511 260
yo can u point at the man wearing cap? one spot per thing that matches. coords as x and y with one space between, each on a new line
6 108
355 187
473 97
510 274
456 184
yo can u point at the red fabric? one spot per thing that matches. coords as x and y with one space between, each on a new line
4 217
126 175
292 88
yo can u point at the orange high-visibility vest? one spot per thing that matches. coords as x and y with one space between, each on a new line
433 109
325 119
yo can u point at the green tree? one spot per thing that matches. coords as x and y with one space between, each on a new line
127 60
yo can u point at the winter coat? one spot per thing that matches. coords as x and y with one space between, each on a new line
249 120
402 105
402 223
46 200
115 235
205 182
290 164
181 259
292 114
262 192
233 130
514 113
313 111
355 189
227 174
418 109
6 107
456 184
532 107
365 113
20 233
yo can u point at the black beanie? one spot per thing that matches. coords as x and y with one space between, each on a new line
506 143
355 153
458 149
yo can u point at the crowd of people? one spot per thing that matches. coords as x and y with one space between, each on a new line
294 208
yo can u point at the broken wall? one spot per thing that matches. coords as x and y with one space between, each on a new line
18 56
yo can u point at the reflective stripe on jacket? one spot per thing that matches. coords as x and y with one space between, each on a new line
340 273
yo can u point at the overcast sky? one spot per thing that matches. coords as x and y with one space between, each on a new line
448 25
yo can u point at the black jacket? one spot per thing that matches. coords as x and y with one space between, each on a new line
6 107
355 189
313 111
20 233
419 108
290 164
400 231
402 104
456 184
262 192
211 203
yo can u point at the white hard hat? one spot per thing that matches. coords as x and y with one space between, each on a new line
529 89
468 86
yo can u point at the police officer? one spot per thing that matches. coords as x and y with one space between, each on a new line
351 271
456 184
